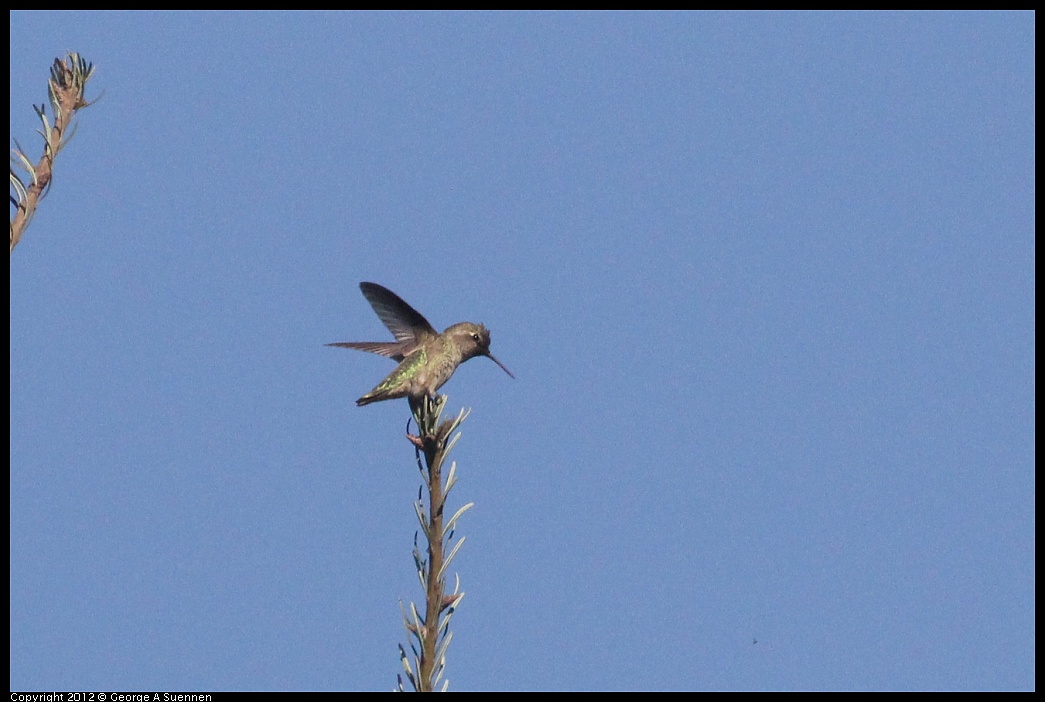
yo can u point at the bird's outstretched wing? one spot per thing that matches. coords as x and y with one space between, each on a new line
405 323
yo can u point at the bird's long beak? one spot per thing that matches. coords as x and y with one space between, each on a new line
491 357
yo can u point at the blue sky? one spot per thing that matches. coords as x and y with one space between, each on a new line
766 282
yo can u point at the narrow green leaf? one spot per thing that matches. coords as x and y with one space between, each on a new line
453 520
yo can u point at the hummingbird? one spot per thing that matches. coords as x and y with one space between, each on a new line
426 358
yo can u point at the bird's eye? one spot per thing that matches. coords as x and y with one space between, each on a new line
475 337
